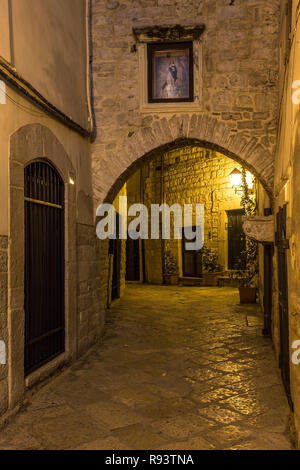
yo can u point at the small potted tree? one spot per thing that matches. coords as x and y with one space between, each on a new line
247 277
171 274
212 269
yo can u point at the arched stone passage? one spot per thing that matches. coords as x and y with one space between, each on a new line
180 130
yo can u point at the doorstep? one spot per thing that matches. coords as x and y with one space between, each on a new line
191 281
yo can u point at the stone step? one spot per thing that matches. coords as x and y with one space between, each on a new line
190 281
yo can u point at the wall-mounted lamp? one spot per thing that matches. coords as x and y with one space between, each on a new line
236 180
71 178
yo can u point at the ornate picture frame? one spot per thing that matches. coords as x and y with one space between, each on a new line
170 72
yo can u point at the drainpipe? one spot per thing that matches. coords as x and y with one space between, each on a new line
89 71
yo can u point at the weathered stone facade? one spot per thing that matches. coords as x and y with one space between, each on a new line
239 75
190 175
84 308
90 302
286 193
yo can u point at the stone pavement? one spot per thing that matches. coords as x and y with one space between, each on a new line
177 368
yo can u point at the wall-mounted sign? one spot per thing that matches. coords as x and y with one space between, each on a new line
170 72
261 229
2 353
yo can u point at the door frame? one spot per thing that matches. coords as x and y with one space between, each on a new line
31 143
32 201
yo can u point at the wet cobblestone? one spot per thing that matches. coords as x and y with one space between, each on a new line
177 368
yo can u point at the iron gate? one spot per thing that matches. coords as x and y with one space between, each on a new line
282 245
44 265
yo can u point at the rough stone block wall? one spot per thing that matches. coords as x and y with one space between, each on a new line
104 262
90 301
3 321
191 176
239 77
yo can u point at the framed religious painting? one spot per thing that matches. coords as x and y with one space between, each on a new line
170 72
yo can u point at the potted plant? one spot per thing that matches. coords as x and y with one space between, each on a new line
171 272
212 269
247 277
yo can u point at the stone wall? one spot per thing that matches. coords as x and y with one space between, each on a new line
191 175
3 321
90 300
239 107
84 311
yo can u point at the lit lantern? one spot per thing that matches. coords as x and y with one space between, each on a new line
236 179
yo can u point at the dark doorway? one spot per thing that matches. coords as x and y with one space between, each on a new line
132 260
191 259
236 238
282 245
115 248
44 265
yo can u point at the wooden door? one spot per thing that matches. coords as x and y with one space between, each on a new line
236 238
191 259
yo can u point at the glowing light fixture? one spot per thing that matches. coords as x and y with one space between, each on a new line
236 179
71 178
249 180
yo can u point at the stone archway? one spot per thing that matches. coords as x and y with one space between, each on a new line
111 169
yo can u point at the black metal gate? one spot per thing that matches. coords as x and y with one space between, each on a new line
282 245
44 265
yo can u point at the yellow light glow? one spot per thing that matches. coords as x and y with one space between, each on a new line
249 180
235 178
71 180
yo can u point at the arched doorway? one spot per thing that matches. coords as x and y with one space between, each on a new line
44 265
184 172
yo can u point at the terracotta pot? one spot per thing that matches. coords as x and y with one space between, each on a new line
171 279
247 295
211 279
